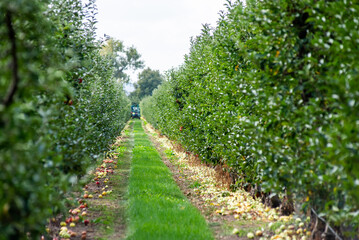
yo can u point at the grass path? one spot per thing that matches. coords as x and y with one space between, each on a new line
157 209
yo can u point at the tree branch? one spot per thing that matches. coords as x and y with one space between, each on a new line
14 64
326 226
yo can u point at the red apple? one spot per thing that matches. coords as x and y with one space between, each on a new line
76 219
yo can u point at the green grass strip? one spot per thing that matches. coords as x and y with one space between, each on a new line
157 209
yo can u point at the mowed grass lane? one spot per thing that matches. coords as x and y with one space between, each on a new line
157 209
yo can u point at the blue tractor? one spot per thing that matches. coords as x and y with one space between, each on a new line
135 111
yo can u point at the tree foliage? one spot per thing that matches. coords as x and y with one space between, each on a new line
272 93
121 58
148 80
60 107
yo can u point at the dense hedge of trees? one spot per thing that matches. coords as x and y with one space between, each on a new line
272 93
60 107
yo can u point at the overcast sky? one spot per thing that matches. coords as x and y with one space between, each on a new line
159 29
